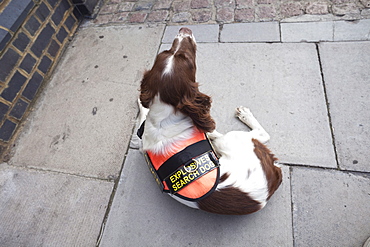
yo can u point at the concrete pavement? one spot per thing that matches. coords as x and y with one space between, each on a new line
63 185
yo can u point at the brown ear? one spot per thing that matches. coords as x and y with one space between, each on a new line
198 109
147 90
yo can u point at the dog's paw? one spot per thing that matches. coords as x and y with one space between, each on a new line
243 113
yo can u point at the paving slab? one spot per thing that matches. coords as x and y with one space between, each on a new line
164 47
84 119
307 31
352 30
202 33
346 68
325 31
317 18
330 207
142 216
50 209
250 32
281 84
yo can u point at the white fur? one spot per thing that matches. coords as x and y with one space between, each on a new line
169 66
239 160
241 163
164 128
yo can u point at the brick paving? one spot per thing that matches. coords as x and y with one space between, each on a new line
227 11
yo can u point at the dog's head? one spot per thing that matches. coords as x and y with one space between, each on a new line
172 78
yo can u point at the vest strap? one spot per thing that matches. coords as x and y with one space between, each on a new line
182 157
140 131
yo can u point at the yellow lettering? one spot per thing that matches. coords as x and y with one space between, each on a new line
190 172
174 187
208 158
182 183
173 178
178 186
193 165
202 169
204 159
201 159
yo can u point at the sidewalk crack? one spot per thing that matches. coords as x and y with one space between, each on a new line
113 194
327 105
291 202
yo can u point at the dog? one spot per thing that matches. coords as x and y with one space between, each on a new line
233 174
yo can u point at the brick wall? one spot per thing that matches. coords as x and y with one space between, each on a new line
33 34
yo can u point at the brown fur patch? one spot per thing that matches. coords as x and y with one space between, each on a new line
272 172
231 201
224 177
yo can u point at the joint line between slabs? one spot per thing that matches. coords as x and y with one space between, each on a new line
291 202
114 191
327 104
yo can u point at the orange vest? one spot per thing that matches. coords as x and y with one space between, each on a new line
197 188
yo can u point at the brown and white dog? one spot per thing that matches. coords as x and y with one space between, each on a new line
177 114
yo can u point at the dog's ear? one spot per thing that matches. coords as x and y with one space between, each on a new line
198 108
147 89
180 90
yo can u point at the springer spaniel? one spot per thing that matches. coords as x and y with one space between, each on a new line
233 173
